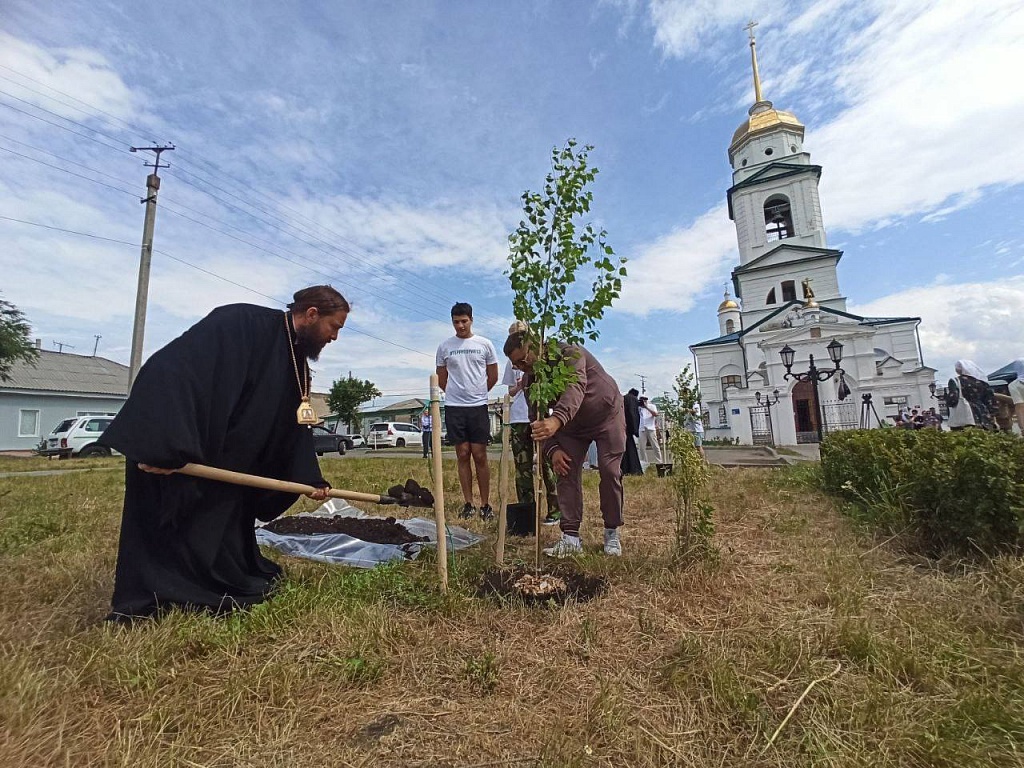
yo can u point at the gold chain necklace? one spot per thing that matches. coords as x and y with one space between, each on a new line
305 413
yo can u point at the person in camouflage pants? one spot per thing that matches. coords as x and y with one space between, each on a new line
523 456
523 444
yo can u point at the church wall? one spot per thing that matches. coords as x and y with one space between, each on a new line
754 287
748 213
743 221
751 158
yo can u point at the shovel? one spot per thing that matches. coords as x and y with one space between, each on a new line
270 484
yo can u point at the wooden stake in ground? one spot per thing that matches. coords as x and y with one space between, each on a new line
503 469
540 498
435 445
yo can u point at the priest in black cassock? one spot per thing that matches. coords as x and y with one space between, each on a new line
231 392
631 456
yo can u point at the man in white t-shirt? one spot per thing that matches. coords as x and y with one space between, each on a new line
1016 388
695 425
648 432
467 369
522 441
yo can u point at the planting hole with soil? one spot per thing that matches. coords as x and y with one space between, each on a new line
554 586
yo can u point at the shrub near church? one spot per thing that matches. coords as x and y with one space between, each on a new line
951 491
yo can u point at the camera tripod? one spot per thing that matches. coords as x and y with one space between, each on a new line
867 410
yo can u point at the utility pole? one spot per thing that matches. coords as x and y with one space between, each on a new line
96 345
643 383
146 258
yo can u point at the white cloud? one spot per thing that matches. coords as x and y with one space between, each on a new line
689 27
670 273
923 124
973 321
81 73
439 234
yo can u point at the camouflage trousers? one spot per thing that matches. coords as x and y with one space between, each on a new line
523 456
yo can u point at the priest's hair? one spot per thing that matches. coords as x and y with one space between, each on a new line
325 299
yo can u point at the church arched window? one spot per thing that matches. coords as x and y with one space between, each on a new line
778 218
730 326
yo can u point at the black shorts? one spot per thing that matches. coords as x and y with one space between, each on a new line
467 424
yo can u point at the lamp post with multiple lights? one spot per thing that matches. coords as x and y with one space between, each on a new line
813 375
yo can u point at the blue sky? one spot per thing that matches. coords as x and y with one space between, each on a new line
383 147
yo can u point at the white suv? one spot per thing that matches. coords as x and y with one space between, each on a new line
77 437
393 434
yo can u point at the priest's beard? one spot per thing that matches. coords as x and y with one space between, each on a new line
308 344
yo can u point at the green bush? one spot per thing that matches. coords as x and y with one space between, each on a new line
954 491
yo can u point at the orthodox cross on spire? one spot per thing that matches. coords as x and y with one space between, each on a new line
753 61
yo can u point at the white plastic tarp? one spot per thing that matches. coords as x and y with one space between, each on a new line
347 550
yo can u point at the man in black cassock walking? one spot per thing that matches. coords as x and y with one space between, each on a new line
231 392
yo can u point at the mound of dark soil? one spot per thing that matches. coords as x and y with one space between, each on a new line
555 584
375 530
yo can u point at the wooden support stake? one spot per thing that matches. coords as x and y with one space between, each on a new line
503 470
435 444
540 496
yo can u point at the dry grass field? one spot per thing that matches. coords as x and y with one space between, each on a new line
804 643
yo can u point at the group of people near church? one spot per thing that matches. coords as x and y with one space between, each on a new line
973 403
233 392
919 418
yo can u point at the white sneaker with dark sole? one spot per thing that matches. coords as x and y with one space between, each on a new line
612 542
565 547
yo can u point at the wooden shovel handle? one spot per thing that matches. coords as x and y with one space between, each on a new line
270 484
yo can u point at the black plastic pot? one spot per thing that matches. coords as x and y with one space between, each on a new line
521 519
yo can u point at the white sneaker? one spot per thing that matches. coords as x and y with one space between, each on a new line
612 542
566 546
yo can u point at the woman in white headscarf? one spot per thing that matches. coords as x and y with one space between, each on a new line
973 388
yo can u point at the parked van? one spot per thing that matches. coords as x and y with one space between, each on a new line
77 437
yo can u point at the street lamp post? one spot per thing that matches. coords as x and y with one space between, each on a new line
813 375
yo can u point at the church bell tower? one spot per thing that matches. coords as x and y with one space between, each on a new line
776 209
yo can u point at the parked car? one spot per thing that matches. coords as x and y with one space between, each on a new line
354 441
325 441
77 437
393 434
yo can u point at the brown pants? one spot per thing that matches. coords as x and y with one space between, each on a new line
611 443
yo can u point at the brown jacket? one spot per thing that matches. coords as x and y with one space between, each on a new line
593 403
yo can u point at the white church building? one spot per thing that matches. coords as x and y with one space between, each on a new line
788 298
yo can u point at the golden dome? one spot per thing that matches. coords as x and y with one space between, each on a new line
763 118
728 304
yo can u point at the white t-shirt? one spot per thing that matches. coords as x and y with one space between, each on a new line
520 410
647 420
1016 388
695 424
466 361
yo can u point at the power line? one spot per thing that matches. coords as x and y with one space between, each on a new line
204 270
72 173
334 275
354 259
58 125
362 255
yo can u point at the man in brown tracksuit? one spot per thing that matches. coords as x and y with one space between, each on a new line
589 410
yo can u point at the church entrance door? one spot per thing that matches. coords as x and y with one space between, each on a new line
805 415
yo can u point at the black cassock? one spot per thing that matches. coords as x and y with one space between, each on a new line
223 394
631 456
